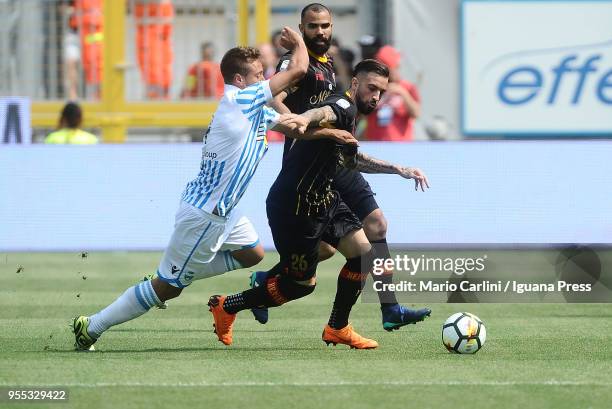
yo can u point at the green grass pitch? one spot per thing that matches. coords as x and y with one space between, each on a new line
536 355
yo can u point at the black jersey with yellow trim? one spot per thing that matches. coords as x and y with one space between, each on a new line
305 180
314 88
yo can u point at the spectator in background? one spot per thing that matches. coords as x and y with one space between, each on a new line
280 50
68 128
268 59
369 46
154 26
88 20
393 119
204 79
343 59
72 51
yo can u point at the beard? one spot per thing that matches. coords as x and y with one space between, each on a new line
315 47
364 108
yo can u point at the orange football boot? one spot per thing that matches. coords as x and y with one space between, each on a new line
223 320
347 336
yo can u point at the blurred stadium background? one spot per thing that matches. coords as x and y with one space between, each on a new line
514 135
489 72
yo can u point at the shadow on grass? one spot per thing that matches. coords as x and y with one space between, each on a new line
569 315
231 349
204 330
158 330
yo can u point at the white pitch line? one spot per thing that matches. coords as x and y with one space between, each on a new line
306 384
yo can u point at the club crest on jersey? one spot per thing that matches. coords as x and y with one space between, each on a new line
319 76
343 103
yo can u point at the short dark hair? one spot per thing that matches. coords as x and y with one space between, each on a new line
370 65
236 61
316 7
71 116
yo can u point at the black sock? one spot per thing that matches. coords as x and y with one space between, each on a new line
385 297
277 291
247 299
347 293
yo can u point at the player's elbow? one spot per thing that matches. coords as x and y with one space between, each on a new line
298 73
303 68
299 69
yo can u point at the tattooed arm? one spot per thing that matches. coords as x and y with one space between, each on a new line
368 164
324 116
316 117
297 127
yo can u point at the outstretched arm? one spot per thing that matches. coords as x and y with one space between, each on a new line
278 103
368 164
323 116
316 117
294 126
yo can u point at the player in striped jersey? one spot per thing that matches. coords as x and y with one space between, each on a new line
210 235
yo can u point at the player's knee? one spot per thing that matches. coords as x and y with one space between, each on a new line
312 282
375 225
249 257
164 290
326 251
304 288
283 289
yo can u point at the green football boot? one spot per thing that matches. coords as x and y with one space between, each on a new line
82 340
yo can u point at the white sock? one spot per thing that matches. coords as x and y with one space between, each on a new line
134 302
221 263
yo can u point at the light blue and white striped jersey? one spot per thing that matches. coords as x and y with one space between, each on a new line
233 146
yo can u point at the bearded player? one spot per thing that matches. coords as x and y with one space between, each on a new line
315 87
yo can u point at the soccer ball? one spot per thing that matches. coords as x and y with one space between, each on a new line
463 333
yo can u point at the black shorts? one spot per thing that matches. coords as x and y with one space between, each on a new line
343 222
297 237
356 192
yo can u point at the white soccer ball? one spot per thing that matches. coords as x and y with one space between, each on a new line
463 333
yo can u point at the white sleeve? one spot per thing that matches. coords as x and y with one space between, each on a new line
252 98
270 116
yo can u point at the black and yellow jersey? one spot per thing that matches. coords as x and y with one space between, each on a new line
305 180
314 88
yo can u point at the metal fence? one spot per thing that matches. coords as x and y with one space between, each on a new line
127 61
54 49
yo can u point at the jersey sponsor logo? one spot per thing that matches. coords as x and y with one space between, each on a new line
210 155
284 65
317 99
343 103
